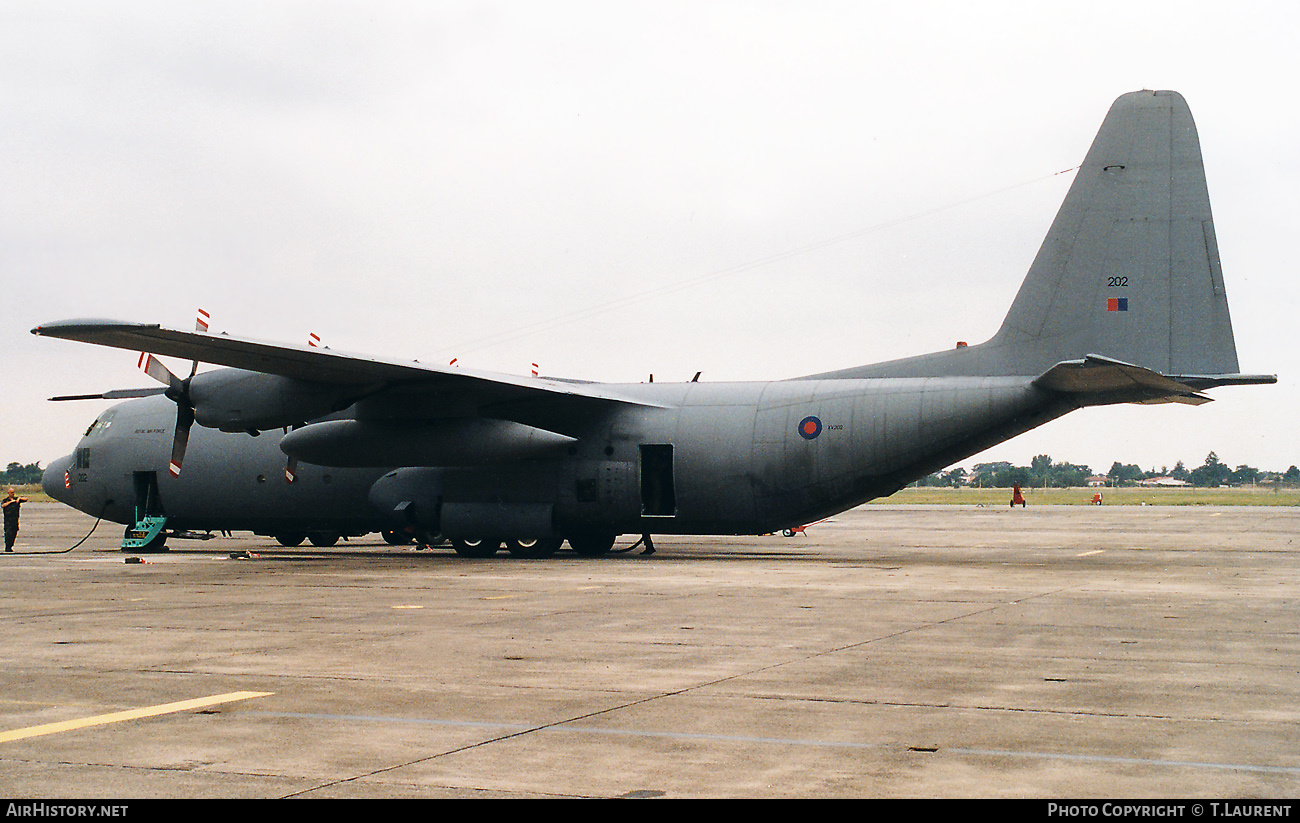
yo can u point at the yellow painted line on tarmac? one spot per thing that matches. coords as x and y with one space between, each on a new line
130 714
1089 554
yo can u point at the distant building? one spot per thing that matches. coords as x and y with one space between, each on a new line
1098 480
1163 481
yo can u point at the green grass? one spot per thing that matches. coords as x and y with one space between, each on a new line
1137 496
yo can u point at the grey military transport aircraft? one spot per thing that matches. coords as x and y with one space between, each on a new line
1124 303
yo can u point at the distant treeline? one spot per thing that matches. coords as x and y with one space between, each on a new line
1043 472
19 475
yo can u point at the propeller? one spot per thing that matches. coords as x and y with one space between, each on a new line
178 391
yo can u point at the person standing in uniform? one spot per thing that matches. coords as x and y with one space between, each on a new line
10 505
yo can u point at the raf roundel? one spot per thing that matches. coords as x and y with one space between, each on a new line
810 427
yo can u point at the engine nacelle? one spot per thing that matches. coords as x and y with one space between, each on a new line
236 400
472 441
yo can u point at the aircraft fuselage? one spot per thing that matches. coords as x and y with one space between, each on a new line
726 458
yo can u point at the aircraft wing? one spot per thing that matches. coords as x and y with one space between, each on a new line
328 366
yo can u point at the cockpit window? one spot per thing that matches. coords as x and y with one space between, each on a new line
99 426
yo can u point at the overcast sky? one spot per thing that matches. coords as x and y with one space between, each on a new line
755 190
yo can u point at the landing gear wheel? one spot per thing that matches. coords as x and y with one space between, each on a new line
591 545
323 539
290 539
533 547
475 547
395 538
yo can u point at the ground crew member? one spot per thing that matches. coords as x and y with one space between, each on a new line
10 505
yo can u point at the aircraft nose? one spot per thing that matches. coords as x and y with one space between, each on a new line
54 480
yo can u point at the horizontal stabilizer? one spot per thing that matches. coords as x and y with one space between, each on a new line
1103 380
1213 381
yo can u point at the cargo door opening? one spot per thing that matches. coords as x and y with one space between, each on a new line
658 492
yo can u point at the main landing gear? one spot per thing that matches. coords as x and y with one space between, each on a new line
584 545
321 539
587 545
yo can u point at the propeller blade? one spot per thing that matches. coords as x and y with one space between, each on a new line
184 420
62 397
154 367
115 394
201 322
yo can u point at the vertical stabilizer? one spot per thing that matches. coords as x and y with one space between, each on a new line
1130 268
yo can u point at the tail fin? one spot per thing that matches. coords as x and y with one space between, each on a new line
1130 268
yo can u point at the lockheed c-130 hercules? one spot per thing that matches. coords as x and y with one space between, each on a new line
1124 303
